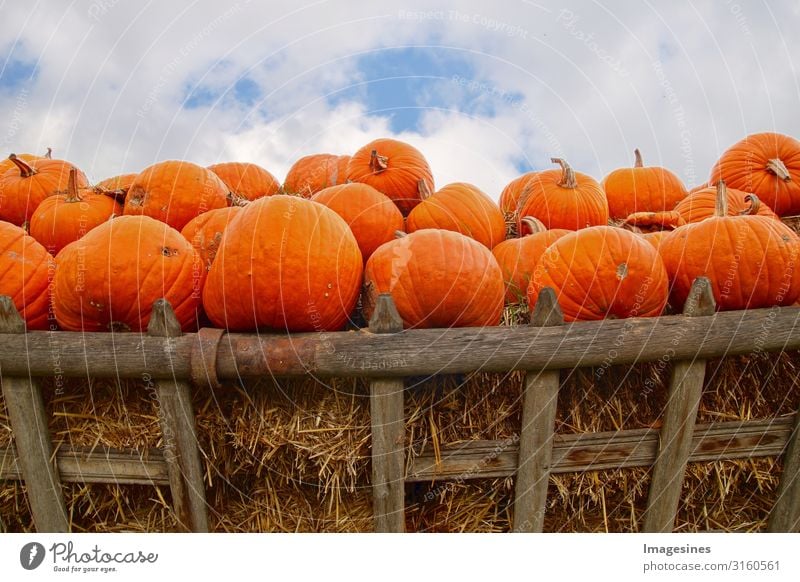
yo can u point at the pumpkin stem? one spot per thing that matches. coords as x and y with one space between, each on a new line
237 200
400 234
49 153
568 179
377 162
72 187
777 167
722 199
423 189
534 224
638 163
755 205
25 170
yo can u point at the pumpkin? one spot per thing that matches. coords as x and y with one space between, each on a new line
395 168
246 181
116 186
641 189
371 216
463 208
603 272
7 163
750 260
25 270
513 192
563 199
313 173
284 263
175 192
109 279
437 278
64 218
205 232
517 257
24 186
764 164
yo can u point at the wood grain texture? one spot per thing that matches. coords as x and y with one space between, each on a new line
785 515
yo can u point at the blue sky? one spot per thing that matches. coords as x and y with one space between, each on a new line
485 91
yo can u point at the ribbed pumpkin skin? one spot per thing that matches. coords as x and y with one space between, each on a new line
463 208
311 174
25 271
116 185
20 195
745 166
371 216
751 261
205 232
109 279
700 205
395 170
246 181
513 192
437 278
602 272
518 257
655 238
284 263
61 219
175 192
642 189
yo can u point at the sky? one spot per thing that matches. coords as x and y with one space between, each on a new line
485 91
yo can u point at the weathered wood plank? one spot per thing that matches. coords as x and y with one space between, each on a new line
176 416
680 414
26 412
364 354
539 403
785 515
388 431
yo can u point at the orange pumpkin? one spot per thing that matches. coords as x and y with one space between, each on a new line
641 189
517 257
463 208
289 264
109 279
371 216
116 186
602 272
513 192
246 181
205 231
25 271
767 165
395 168
64 218
437 278
175 192
7 163
751 261
563 199
23 187
313 173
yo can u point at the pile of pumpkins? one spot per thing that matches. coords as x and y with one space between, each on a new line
231 247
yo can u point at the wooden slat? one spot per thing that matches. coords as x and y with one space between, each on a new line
539 403
785 515
26 412
178 433
680 414
388 431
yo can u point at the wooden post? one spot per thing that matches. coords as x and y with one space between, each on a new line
539 403
23 397
178 433
680 415
785 515
388 432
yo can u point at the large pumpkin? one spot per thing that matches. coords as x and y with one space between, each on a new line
513 192
563 199
109 279
371 216
116 186
767 165
463 208
642 189
64 218
284 263
175 192
751 261
602 272
437 278
313 173
7 163
205 232
24 186
25 271
246 181
395 168
518 257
